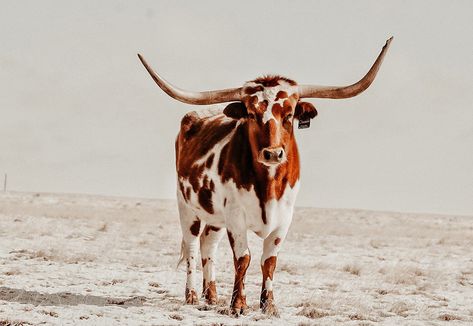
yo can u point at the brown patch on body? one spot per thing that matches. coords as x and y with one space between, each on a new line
204 261
212 186
195 228
209 161
280 95
190 147
181 187
196 138
205 200
209 228
232 241
277 241
190 124
188 193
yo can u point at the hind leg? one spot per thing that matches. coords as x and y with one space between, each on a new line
209 240
191 229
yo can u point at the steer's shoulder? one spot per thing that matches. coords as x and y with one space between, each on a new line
206 123
199 134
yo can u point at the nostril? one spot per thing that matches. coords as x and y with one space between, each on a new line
281 152
267 155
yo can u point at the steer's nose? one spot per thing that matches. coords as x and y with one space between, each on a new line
273 155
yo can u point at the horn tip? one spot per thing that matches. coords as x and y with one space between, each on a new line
389 40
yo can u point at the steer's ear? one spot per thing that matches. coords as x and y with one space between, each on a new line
305 111
235 110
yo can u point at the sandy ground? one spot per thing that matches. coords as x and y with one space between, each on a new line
76 259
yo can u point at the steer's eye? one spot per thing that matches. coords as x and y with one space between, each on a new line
288 117
251 116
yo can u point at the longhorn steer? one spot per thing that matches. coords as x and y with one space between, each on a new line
238 169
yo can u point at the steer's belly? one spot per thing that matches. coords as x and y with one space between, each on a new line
218 204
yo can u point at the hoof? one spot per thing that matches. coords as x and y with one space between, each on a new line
270 309
210 293
239 307
191 297
239 311
211 301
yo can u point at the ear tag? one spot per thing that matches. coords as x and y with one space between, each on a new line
304 124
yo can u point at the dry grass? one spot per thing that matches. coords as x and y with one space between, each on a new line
12 272
312 313
352 269
405 275
400 308
449 317
50 313
176 317
103 228
9 322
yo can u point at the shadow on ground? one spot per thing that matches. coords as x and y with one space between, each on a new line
65 299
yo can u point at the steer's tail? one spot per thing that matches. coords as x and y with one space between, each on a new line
181 256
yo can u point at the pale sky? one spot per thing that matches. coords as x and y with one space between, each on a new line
79 114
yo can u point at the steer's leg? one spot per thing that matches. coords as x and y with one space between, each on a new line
241 259
209 240
272 244
191 229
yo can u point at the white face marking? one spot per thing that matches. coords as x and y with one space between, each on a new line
269 94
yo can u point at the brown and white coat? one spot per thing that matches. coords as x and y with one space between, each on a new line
238 170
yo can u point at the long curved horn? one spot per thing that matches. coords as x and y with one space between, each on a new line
337 92
201 98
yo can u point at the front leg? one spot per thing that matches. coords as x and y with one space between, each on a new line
241 259
272 245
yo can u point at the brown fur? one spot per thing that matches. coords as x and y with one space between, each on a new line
196 138
205 199
268 270
209 292
253 90
273 80
195 228
181 187
280 95
232 241
209 228
210 160
188 193
191 297
238 303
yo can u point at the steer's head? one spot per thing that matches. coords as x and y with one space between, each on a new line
269 105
